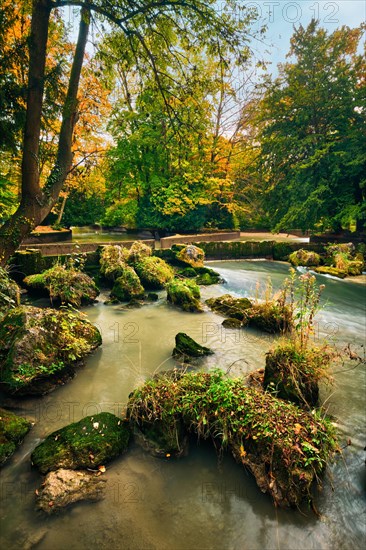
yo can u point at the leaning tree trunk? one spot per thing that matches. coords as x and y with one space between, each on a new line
36 202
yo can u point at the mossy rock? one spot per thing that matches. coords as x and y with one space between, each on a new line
127 285
207 276
186 347
184 294
89 443
188 272
162 439
190 255
40 348
285 447
64 285
113 260
269 317
154 272
294 374
138 251
355 267
9 292
13 429
305 258
327 270
228 306
232 323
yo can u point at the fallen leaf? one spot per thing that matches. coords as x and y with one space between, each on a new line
102 469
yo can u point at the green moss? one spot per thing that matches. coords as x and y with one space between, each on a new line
13 429
185 346
40 346
89 443
269 316
138 251
303 257
184 294
285 447
191 255
327 270
355 267
188 272
9 292
154 272
64 285
127 285
113 260
228 306
207 276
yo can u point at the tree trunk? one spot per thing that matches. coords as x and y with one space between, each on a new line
36 203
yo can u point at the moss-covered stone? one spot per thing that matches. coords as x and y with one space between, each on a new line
13 429
184 294
327 270
232 323
285 448
207 276
305 258
355 267
113 260
228 306
138 251
9 293
89 443
186 347
40 348
154 272
294 374
269 317
127 285
64 285
188 272
190 255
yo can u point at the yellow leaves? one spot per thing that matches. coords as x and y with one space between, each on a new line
102 469
243 452
297 428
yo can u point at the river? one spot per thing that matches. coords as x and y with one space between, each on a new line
196 502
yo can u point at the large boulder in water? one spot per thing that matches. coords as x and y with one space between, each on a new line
65 487
186 347
154 272
228 306
138 251
127 286
305 258
89 443
64 285
189 255
13 429
184 294
113 260
40 348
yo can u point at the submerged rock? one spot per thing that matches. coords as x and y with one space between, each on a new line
89 443
65 487
154 272
184 294
13 429
64 285
127 285
40 348
186 347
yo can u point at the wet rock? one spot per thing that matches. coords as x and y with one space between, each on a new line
89 443
184 294
190 255
228 306
40 348
65 487
154 272
188 272
186 347
162 440
13 429
127 285
207 276
63 285
304 257
232 323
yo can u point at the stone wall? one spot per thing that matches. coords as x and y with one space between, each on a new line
166 242
60 249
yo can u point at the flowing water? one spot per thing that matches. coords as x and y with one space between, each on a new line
195 502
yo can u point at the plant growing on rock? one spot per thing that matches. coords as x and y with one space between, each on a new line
138 251
283 446
304 257
127 285
184 294
9 292
13 429
63 284
154 272
113 259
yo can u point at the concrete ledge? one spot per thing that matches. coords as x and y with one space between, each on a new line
60 249
166 242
